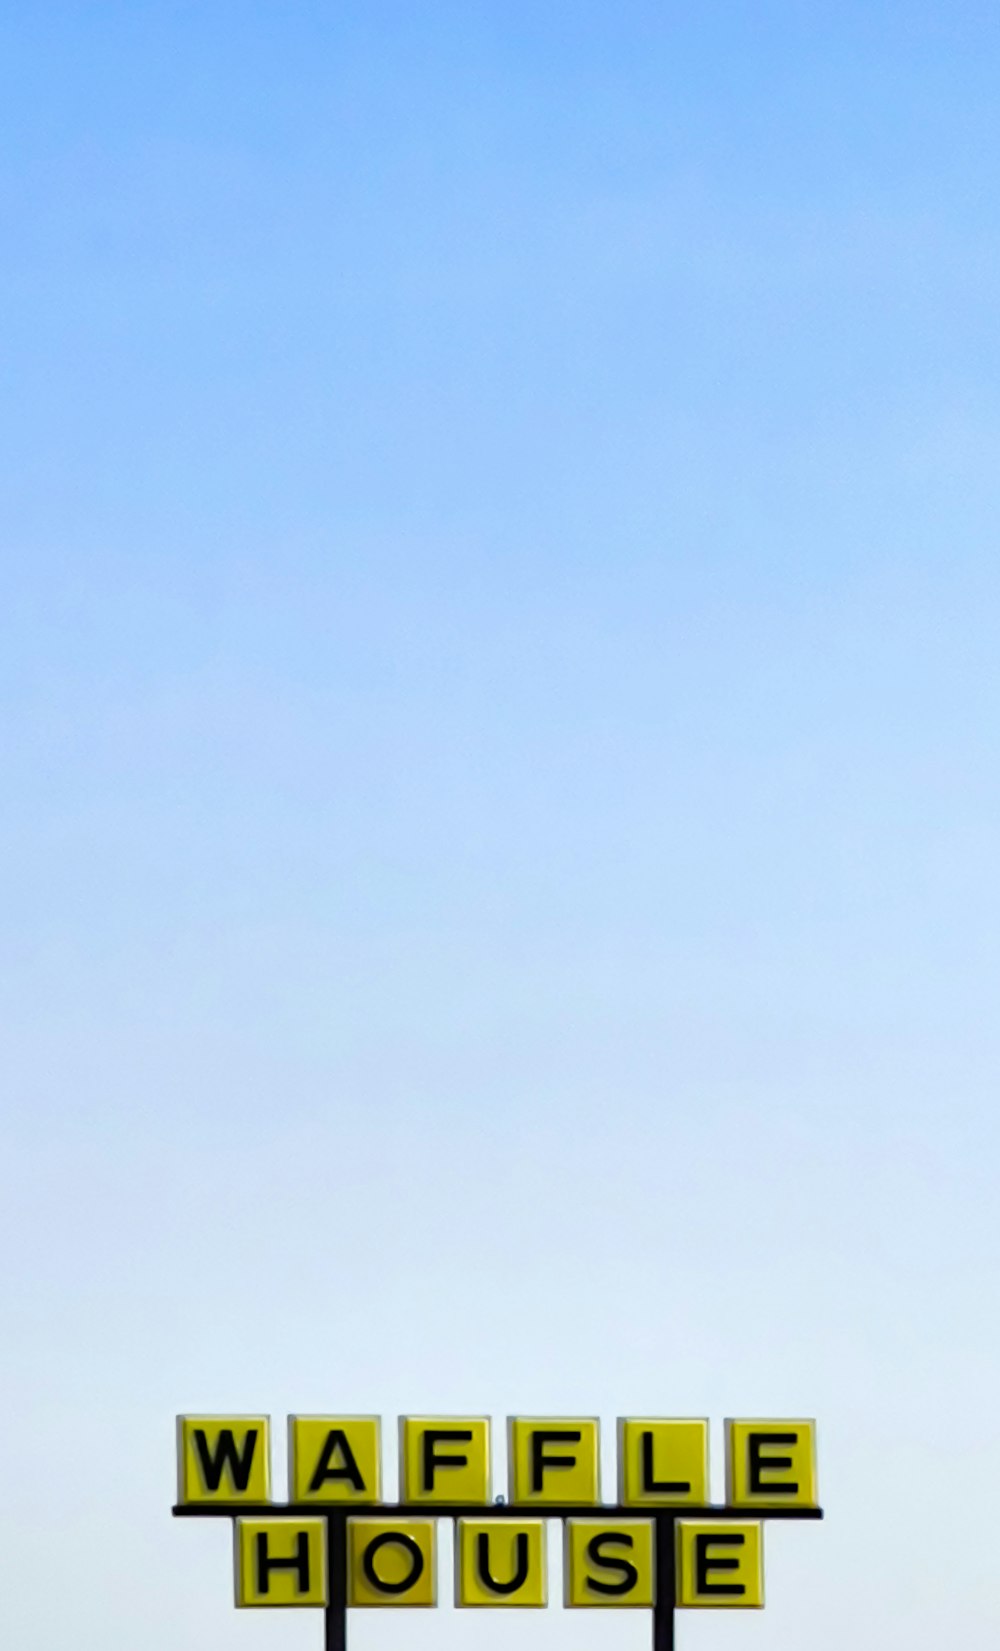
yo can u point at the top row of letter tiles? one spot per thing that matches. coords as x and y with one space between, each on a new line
552 1460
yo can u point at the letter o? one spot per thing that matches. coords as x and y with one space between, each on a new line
382 1541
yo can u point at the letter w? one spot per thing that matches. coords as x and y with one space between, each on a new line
225 1457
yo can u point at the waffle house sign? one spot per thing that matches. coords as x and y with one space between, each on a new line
337 1543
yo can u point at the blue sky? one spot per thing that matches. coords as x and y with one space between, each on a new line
497 707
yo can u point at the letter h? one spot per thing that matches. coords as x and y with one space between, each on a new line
299 1562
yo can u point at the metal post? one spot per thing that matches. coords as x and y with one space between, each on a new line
663 1609
335 1615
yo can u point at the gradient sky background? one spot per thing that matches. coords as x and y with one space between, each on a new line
500 792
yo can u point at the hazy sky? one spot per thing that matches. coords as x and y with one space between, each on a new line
500 793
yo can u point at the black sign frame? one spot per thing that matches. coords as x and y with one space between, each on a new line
335 1613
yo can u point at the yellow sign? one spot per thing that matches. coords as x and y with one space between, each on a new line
553 1459
280 1562
500 1562
391 1562
662 1463
223 1459
719 1563
771 1464
334 1459
608 1562
338 1543
444 1459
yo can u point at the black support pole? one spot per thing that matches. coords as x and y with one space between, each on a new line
335 1615
663 1609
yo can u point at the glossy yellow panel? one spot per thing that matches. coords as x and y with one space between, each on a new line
500 1562
608 1562
334 1459
771 1464
719 1563
391 1562
553 1459
662 1463
223 1459
444 1459
280 1562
